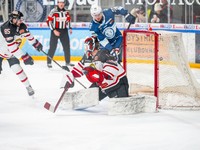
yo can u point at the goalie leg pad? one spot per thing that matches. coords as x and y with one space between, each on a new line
131 105
81 99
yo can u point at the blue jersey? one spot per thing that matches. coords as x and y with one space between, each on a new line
106 31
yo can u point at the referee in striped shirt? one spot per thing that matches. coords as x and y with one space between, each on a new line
59 22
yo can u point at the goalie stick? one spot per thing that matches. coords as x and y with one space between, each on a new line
66 68
52 108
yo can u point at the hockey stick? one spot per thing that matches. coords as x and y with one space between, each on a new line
128 26
52 108
67 69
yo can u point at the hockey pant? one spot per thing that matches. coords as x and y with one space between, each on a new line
64 39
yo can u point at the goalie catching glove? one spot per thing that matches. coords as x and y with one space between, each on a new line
93 75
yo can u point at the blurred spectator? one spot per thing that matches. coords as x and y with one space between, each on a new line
140 13
151 11
165 9
158 16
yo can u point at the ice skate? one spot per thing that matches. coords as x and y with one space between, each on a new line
49 65
69 64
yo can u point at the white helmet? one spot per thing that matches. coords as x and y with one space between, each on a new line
61 1
95 10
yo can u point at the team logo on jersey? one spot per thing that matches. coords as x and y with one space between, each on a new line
109 32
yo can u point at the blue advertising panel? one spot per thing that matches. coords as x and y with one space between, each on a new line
43 35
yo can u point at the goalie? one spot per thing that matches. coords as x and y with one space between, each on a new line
103 72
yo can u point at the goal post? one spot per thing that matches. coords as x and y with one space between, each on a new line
156 64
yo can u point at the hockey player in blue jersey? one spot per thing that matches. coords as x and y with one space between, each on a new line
104 27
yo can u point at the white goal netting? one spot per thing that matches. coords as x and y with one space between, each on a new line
177 86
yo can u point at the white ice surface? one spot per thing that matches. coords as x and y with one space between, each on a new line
26 125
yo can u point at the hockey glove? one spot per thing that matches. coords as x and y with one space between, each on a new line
67 78
131 16
93 75
28 60
37 45
134 12
115 52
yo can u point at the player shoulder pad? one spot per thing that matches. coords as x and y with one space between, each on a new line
7 31
114 9
23 29
109 10
93 26
54 10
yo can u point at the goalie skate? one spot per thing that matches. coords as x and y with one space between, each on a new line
81 99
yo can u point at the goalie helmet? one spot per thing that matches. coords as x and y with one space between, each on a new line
95 10
16 15
91 43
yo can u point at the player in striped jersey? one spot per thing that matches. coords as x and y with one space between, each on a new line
12 32
104 71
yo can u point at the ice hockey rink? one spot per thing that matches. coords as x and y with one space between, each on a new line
26 125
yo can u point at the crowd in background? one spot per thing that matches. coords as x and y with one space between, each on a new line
147 13
157 14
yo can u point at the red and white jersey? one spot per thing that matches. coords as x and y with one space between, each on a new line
111 71
10 37
58 19
4 52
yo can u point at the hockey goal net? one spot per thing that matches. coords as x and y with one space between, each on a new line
156 64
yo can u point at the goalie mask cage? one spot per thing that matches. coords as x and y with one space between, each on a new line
156 64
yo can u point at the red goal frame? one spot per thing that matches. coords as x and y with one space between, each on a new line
156 62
